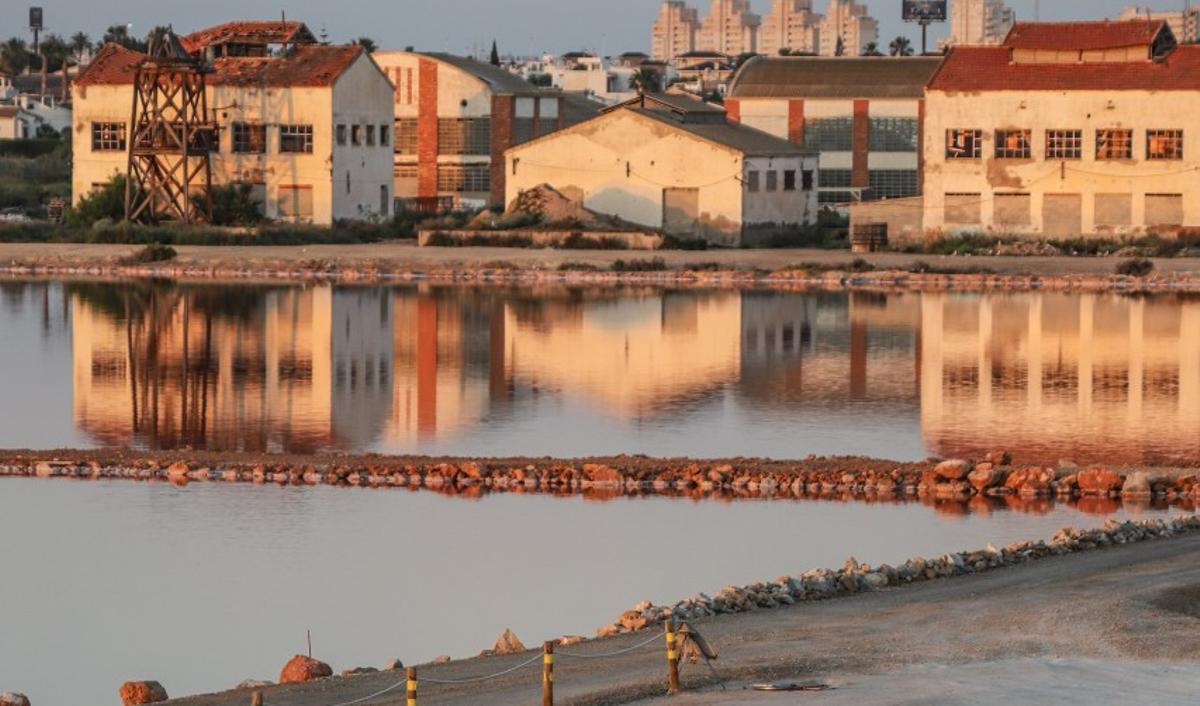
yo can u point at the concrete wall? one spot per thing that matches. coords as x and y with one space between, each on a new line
902 216
324 170
1107 191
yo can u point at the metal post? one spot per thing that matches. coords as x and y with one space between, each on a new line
672 659
412 686
256 698
548 674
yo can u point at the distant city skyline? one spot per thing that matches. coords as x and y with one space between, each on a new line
522 27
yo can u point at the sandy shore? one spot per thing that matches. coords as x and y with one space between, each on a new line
402 259
1109 614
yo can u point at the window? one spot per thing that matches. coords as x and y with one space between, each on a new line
295 201
834 186
464 178
893 134
406 136
356 135
108 137
772 180
341 135
383 135
806 180
296 138
1013 144
1114 144
1064 144
463 136
829 134
1164 144
789 180
249 138
752 182
892 183
964 144
370 136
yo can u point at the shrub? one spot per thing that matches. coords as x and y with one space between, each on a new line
236 205
106 202
653 265
154 252
671 242
1135 267
858 264
579 241
577 267
29 149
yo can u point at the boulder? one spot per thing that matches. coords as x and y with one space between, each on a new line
9 698
142 692
1098 481
566 640
508 643
955 469
998 458
441 659
394 665
985 476
1138 483
302 668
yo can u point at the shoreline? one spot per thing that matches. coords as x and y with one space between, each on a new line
772 269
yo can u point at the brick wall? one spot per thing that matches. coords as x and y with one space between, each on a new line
860 176
733 110
503 113
796 122
427 129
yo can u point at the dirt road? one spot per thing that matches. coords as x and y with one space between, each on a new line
1116 609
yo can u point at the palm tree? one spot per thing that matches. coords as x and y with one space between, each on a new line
15 56
119 34
900 46
367 43
56 50
871 49
80 44
645 80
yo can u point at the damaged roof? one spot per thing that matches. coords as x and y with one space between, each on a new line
968 69
258 32
1083 36
833 77
306 65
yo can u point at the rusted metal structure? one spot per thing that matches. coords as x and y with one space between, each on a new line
169 177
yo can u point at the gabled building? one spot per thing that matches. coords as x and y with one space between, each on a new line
671 162
1067 129
456 116
308 125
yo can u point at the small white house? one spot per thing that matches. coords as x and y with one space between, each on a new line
677 164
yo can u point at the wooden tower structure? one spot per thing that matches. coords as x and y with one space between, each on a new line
170 171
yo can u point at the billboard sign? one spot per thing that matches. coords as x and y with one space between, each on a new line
924 10
35 18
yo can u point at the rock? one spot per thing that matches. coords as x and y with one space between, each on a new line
441 659
1098 481
142 692
301 668
956 469
353 671
998 458
254 684
985 476
566 640
1138 483
9 698
632 620
177 471
394 665
875 580
508 643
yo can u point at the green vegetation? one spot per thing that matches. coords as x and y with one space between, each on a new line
154 252
656 264
1135 267
28 182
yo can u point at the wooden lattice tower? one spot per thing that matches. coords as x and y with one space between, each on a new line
170 173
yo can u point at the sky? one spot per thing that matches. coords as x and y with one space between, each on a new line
468 26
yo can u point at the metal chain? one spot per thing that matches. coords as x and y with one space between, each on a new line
598 655
470 680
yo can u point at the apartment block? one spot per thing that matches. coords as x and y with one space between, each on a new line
847 29
978 22
790 25
674 30
730 28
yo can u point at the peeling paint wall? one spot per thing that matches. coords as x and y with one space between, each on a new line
1115 197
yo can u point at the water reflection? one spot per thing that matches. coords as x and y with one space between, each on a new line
571 371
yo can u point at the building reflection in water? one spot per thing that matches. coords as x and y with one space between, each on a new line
412 367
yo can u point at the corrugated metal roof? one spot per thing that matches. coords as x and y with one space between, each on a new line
833 77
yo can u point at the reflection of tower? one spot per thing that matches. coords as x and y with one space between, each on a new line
361 352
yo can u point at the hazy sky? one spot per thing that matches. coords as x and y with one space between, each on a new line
463 26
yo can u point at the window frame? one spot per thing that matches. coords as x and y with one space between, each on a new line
384 136
341 134
356 135
772 180
958 146
1003 150
109 136
1064 144
1128 135
241 142
295 139
789 179
753 181
1173 155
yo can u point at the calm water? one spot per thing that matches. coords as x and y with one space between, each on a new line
571 371
204 586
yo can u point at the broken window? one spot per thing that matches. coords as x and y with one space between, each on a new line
806 180
772 180
752 182
1114 144
108 137
964 144
249 138
1013 144
383 135
296 138
1164 144
356 135
370 136
341 135
789 180
1064 144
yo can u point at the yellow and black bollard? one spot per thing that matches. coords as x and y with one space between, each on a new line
672 659
412 686
548 674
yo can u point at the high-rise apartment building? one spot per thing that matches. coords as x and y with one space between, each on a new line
674 31
730 28
790 25
1184 24
978 22
847 29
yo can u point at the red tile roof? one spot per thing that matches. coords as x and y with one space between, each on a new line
251 32
306 65
1083 36
991 69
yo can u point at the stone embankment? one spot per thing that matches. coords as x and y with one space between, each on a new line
821 584
954 482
